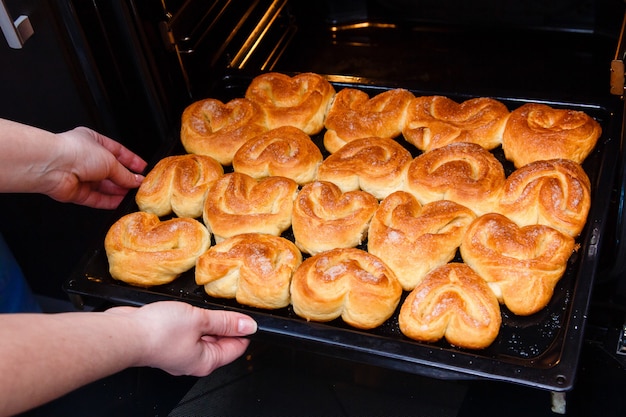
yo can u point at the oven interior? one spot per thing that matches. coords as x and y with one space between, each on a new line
516 51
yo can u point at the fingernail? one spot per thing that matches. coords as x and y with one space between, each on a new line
246 326
139 178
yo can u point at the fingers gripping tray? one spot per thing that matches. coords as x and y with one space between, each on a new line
540 350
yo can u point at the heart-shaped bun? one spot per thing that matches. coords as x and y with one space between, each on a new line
413 239
537 132
354 115
210 127
465 173
436 121
348 283
178 184
376 165
521 264
238 203
454 303
253 268
300 101
285 151
325 218
556 193
143 250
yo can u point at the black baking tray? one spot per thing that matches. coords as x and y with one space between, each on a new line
540 351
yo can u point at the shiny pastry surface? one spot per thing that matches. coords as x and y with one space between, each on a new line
211 127
178 184
285 151
537 131
253 268
436 121
325 218
238 203
454 303
376 165
413 239
301 101
348 283
354 115
142 250
521 264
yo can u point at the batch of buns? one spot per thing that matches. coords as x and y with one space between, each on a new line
370 221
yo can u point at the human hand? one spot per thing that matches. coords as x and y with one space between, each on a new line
92 170
185 340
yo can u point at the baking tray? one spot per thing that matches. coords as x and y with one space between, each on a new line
540 351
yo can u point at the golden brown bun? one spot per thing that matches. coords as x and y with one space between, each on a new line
521 264
178 184
536 132
375 165
436 121
348 283
255 269
465 173
324 218
237 204
285 151
413 239
143 250
354 115
452 302
300 101
556 193
210 127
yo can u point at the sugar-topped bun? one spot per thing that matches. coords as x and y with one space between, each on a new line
537 131
178 184
325 218
454 303
413 239
556 193
143 250
436 121
210 127
285 151
348 283
253 268
354 115
238 203
521 264
375 165
301 101
465 173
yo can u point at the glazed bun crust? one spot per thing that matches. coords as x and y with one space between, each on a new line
348 283
255 269
436 121
413 239
210 127
238 203
285 151
556 193
376 165
465 173
144 251
325 218
178 184
537 132
301 101
354 115
454 303
521 264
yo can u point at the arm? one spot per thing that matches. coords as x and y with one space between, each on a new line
43 356
79 166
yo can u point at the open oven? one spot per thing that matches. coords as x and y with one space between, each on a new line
152 59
